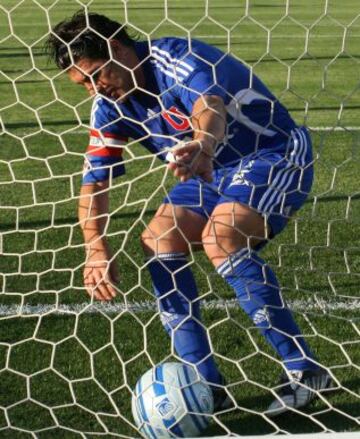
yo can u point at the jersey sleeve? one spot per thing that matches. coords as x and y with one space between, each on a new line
103 158
206 75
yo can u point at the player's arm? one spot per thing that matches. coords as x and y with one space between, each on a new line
209 121
103 162
100 272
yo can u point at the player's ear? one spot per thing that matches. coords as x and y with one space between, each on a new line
118 50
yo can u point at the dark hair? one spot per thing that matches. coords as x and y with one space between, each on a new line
84 35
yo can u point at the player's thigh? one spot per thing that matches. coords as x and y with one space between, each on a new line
258 198
181 218
233 226
273 183
173 229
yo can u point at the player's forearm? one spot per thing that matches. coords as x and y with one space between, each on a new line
92 210
209 120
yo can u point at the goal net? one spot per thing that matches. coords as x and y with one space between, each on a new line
69 364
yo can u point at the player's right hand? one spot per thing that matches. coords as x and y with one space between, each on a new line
101 275
193 158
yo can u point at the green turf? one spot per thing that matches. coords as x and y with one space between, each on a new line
70 374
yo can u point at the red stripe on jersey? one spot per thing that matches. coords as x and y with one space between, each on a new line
100 149
104 151
97 133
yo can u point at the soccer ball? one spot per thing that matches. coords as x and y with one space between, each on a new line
172 400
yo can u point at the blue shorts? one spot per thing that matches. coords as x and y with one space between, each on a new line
274 182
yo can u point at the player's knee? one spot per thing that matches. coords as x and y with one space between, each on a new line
147 240
163 238
214 240
151 239
221 240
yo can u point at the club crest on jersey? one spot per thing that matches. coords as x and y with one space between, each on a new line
176 119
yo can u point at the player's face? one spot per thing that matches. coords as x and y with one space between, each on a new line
100 76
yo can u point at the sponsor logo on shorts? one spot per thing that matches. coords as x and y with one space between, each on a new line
240 177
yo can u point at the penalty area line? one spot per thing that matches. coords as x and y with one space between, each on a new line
309 305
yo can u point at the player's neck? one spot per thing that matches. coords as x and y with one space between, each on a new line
139 76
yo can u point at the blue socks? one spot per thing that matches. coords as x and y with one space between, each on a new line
176 290
258 292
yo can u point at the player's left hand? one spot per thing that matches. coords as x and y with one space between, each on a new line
194 158
100 273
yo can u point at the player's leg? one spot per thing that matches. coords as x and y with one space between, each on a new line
230 240
169 231
256 204
166 243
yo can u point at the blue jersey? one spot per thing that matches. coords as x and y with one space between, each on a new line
177 73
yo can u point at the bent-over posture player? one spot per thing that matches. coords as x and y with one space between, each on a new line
244 168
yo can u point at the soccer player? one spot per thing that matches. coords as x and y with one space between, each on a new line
244 167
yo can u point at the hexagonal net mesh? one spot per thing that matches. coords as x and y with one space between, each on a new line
69 363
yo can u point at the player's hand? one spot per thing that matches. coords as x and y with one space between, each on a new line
101 274
194 158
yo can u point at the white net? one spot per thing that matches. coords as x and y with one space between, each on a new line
68 365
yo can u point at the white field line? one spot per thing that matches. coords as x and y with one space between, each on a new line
338 435
140 22
86 131
318 128
138 307
334 128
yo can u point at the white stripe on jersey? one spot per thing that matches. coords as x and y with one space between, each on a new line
105 141
173 60
284 177
94 109
171 66
278 187
171 74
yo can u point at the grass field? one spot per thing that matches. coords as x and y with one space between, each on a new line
67 367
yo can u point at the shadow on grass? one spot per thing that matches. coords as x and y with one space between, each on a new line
73 219
17 125
314 419
70 220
